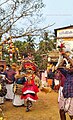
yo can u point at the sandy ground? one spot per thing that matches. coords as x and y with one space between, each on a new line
46 108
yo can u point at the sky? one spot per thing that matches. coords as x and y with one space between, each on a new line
58 12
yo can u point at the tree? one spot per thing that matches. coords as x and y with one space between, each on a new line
27 46
20 17
46 44
30 47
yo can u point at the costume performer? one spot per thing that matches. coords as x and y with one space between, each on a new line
30 89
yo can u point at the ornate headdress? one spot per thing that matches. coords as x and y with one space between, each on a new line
29 65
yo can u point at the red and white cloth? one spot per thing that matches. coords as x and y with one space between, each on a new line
30 91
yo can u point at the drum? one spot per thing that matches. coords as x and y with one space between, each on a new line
3 90
17 89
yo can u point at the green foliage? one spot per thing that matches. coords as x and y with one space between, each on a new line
28 46
37 59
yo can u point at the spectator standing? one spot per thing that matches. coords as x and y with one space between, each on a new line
10 80
66 94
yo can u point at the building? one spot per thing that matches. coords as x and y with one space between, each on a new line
65 34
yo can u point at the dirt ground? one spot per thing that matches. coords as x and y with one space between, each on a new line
46 108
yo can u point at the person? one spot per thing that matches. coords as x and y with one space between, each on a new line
66 91
17 88
50 73
30 89
3 89
9 84
56 81
44 78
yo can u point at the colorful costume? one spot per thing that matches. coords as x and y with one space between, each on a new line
30 90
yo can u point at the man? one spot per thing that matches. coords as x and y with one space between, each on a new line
10 80
66 94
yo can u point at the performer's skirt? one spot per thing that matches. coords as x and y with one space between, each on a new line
30 92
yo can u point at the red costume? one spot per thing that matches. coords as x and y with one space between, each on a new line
30 90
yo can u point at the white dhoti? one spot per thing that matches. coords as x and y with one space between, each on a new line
17 101
10 93
60 93
66 104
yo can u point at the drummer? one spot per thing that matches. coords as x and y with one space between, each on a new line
19 81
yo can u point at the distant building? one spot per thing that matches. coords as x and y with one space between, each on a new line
65 34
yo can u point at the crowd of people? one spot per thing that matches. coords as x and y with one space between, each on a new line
20 84
59 77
